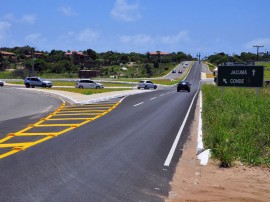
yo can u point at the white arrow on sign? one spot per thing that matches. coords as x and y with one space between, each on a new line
225 81
253 72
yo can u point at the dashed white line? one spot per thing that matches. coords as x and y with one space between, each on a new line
138 104
161 94
153 98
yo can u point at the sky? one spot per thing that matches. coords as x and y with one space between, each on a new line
195 27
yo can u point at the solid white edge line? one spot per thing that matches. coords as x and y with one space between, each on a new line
171 153
199 138
138 104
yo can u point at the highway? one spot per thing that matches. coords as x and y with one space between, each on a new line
118 157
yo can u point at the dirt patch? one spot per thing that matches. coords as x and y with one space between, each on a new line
193 182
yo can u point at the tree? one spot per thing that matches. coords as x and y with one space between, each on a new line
92 54
148 70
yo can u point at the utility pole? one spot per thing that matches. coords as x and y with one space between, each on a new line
258 47
199 56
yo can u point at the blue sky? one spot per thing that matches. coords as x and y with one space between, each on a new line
191 26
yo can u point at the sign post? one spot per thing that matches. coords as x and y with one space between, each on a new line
240 76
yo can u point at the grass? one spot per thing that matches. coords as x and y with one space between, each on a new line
211 66
266 69
236 125
89 91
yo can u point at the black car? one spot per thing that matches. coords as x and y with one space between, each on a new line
183 85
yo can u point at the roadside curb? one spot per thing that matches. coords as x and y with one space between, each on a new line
202 155
102 97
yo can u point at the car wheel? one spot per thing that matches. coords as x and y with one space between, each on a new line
155 87
43 86
1 85
139 88
80 86
27 85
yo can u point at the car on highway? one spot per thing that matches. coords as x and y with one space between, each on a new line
2 83
37 81
88 83
183 85
173 71
146 84
179 71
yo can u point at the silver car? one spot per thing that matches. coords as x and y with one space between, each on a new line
146 84
87 83
2 83
37 81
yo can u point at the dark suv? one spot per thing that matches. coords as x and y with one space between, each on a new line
36 81
183 85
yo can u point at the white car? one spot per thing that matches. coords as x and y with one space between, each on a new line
146 84
2 83
87 83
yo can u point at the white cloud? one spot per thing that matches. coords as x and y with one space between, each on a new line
137 39
88 36
29 19
4 28
144 39
9 16
259 42
67 11
84 36
174 39
35 39
125 12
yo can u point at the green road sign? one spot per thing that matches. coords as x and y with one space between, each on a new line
240 76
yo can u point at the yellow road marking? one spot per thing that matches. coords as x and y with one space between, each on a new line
63 119
85 110
79 114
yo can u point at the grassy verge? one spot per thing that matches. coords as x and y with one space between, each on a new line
236 125
266 69
88 91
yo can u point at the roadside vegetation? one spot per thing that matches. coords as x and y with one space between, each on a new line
236 125
266 69
20 62
89 91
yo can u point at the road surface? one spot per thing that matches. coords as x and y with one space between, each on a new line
118 157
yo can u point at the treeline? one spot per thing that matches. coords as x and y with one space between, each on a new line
25 59
221 58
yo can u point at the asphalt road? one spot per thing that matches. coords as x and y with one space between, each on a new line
119 157
181 67
19 108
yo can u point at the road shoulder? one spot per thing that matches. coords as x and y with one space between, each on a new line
194 182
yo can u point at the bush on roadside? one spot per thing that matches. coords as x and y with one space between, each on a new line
236 125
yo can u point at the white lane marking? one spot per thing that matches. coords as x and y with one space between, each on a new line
171 153
161 94
138 104
153 98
